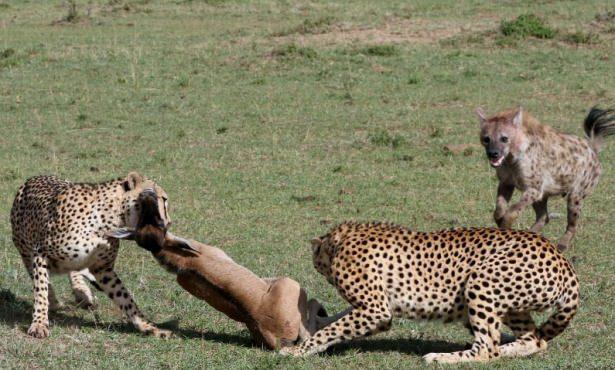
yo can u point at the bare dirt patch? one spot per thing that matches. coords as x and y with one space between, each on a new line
396 30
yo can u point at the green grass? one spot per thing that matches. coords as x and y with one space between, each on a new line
262 142
527 25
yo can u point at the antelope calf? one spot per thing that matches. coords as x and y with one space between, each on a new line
276 311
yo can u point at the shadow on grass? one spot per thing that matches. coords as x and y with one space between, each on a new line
409 346
18 311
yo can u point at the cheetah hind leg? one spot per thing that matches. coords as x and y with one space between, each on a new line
486 329
526 342
54 303
83 295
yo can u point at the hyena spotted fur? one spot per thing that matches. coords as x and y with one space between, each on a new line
542 162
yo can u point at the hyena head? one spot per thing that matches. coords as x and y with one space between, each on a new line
502 135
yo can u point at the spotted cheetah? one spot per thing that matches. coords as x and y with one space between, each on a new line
59 227
484 277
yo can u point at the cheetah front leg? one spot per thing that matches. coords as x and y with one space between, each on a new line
113 287
359 322
40 277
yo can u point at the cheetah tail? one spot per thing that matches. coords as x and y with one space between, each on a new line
91 279
599 124
566 308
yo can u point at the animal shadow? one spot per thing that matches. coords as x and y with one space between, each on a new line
18 311
409 346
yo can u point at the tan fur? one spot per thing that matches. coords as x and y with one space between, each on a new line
540 162
58 227
274 310
484 277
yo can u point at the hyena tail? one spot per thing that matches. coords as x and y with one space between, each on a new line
565 309
599 124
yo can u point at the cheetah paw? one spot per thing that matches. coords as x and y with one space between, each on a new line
37 330
86 305
160 333
442 358
290 351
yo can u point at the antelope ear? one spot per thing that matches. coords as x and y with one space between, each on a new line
180 243
518 118
482 116
121 233
131 181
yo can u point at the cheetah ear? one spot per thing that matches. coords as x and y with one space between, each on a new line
316 242
132 181
518 118
121 233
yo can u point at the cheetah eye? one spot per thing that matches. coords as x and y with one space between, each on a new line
504 139
486 140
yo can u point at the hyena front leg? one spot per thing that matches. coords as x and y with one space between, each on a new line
505 192
113 287
542 214
575 202
529 196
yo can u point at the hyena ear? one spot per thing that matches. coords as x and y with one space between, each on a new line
132 181
518 118
482 117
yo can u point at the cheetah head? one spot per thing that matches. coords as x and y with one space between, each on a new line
322 252
133 186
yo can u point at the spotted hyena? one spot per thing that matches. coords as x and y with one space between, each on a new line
541 162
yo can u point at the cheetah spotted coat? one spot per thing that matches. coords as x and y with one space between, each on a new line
484 277
59 226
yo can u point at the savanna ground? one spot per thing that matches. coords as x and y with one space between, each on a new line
269 121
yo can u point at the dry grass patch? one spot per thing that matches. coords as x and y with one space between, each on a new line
392 31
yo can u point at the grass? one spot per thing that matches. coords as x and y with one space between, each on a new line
260 152
581 37
527 25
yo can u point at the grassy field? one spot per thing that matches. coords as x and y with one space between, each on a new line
269 121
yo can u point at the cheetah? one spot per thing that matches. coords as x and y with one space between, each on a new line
59 227
541 162
484 277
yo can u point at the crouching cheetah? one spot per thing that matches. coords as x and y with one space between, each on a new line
484 277
59 227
